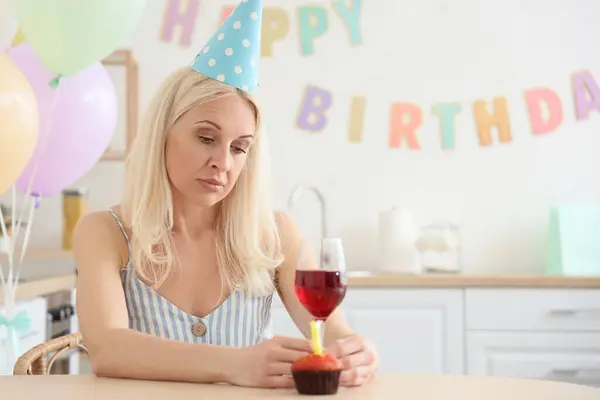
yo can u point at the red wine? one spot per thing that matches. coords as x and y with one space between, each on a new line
320 291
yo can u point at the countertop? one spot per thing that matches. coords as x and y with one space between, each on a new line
466 280
58 274
436 387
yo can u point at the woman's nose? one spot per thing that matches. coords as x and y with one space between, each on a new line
221 160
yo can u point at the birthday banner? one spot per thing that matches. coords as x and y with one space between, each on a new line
312 20
543 105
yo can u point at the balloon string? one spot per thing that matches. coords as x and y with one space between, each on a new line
25 243
11 284
5 284
5 236
10 242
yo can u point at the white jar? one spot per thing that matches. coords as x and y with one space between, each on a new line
398 232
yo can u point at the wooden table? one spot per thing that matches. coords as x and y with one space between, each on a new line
397 387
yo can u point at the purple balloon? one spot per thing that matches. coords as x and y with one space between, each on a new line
78 118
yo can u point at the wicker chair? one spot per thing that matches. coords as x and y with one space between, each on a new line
35 361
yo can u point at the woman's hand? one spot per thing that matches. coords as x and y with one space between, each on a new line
359 359
269 363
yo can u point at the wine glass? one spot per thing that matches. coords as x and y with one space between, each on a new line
321 280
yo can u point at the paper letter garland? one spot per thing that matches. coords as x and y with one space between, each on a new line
357 119
185 19
484 120
276 25
535 99
312 22
543 105
351 17
405 118
446 113
584 83
312 112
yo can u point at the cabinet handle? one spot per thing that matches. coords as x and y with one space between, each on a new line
573 311
565 371
573 371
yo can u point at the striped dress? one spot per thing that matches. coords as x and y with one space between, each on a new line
241 320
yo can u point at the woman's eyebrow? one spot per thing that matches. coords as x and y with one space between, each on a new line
206 121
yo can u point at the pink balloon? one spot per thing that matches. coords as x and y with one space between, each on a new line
77 121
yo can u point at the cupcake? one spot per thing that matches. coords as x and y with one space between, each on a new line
317 374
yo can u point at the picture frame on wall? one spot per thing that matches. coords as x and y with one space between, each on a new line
123 68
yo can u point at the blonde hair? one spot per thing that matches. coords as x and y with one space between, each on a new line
247 241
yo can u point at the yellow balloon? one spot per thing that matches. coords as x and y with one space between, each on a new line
19 38
19 122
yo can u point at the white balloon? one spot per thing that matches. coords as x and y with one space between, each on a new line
8 25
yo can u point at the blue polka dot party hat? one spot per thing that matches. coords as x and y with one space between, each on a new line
231 55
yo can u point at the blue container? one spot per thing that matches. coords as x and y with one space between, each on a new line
574 240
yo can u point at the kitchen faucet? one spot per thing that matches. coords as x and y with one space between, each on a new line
299 191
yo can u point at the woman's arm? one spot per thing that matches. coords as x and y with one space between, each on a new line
114 349
336 327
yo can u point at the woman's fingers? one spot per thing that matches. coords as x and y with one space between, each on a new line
293 343
287 355
279 368
366 357
347 346
356 376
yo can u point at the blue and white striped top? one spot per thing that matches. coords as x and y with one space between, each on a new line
241 320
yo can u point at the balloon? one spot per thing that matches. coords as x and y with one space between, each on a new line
69 35
19 122
8 24
77 121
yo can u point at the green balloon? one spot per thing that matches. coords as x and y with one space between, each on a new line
70 35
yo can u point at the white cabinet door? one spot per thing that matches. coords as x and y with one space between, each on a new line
417 331
282 324
560 310
559 356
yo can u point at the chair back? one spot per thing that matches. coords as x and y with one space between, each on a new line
39 359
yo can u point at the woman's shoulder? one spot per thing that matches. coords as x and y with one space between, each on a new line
288 231
285 223
98 232
97 223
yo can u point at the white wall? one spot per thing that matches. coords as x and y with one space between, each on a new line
422 52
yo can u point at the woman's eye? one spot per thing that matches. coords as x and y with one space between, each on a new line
239 150
205 139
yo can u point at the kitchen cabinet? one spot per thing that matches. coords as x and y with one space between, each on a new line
568 357
535 333
417 331
549 334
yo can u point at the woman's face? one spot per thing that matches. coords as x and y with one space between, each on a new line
207 148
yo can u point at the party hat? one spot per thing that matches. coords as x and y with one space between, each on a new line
231 55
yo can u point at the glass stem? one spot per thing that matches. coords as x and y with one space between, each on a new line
321 329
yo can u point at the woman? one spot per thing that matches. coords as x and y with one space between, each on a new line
176 282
